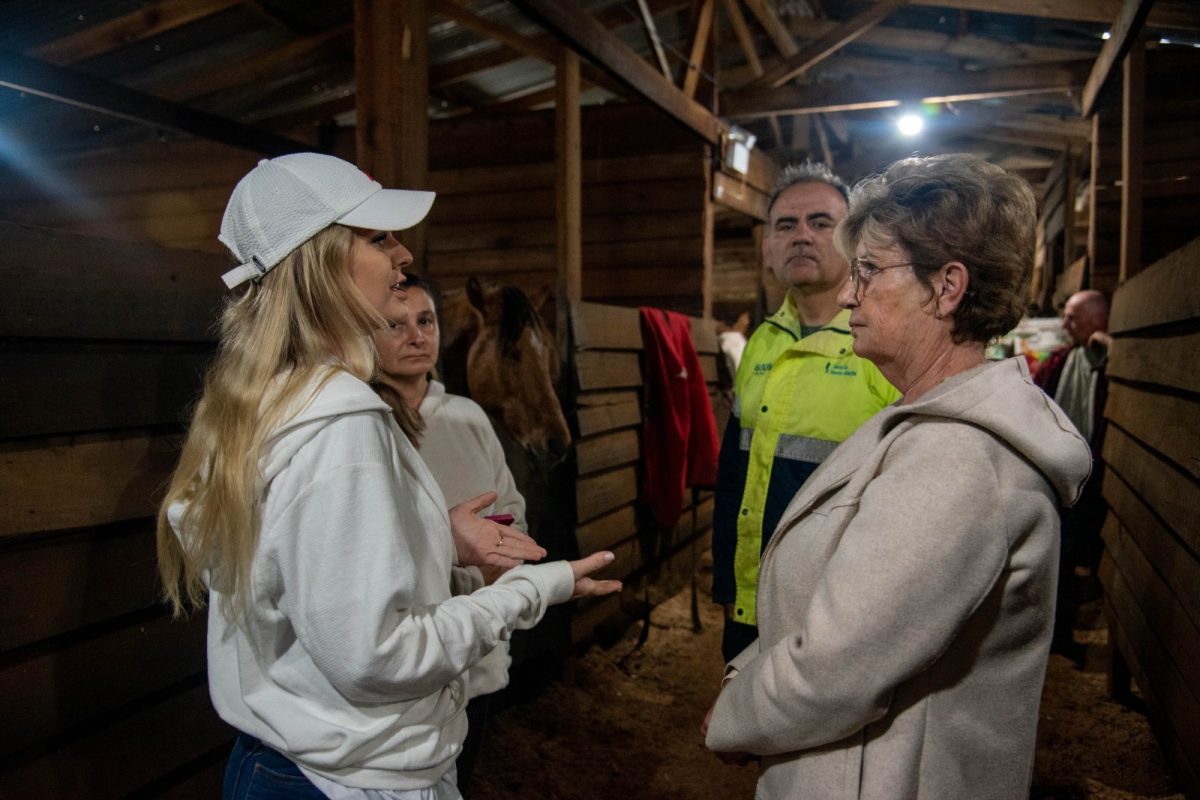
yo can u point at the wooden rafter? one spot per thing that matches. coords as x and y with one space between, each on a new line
586 35
84 91
701 33
828 44
652 35
441 75
513 45
220 77
542 48
860 94
524 100
151 20
1124 32
1036 130
1177 14
741 32
764 12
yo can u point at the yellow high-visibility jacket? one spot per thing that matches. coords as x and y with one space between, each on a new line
796 398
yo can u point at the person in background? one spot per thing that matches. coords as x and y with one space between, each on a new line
457 442
906 598
323 544
799 390
1074 376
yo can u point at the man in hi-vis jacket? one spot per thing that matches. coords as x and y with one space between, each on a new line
798 392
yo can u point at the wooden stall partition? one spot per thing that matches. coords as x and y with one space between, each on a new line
607 416
1164 210
102 346
1151 566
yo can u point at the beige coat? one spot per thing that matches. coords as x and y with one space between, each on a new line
906 602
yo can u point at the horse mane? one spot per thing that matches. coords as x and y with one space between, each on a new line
516 314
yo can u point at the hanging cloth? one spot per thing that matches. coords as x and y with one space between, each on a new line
679 432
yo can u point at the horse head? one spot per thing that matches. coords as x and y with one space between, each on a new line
511 363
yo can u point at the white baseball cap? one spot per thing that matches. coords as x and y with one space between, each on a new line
283 202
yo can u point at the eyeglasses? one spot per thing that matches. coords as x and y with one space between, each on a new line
863 271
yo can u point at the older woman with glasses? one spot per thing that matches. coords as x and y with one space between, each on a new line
906 598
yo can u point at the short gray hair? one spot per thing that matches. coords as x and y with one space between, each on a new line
954 207
808 172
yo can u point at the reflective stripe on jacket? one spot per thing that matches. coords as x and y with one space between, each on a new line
796 399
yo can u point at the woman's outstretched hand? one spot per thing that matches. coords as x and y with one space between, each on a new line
480 542
590 587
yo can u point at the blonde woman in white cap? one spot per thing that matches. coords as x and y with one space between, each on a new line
340 629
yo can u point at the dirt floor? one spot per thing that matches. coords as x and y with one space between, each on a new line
624 723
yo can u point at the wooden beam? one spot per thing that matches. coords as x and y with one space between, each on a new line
655 41
568 191
859 94
706 276
700 36
778 32
150 20
824 46
84 91
462 69
241 72
1132 127
540 48
1178 14
582 32
1125 31
391 59
741 32
1093 240
823 138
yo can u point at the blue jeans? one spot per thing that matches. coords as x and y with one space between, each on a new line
256 772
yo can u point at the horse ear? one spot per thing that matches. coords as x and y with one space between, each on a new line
475 293
543 299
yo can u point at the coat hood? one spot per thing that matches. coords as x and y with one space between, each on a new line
328 395
1001 398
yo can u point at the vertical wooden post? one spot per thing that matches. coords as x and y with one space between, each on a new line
1133 113
706 276
1070 187
1093 242
391 57
568 180
702 30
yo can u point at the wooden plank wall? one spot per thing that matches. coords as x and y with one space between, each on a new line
1062 233
172 193
1151 566
643 228
1171 167
101 348
607 417
737 265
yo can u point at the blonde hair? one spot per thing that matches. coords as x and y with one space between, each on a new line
305 319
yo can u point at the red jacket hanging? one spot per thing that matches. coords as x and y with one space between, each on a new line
679 439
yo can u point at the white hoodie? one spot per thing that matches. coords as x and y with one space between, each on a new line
352 657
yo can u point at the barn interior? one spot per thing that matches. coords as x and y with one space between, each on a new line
616 152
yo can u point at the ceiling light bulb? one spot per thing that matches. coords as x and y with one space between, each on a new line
910 124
